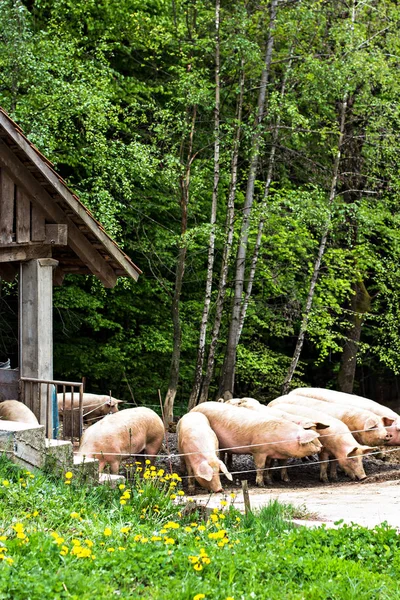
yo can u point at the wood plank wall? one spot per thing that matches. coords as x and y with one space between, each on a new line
21 221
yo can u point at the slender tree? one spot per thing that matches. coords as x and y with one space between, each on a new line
228 371
211 244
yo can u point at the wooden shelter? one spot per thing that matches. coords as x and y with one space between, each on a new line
45 232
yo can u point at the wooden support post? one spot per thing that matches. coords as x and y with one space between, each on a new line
246 497
36 332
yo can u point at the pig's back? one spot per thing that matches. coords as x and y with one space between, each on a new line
195 432
13 410
347 399
119 428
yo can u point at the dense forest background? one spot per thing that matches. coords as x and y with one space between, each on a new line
246 156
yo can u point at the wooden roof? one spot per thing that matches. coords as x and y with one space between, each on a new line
39 213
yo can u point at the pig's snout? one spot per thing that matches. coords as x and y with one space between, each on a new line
361 477
388 436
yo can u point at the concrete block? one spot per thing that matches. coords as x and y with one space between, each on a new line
23 443
59 457
86 469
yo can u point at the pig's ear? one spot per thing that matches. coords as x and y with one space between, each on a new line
387 421
225 471
322 425
308 435
368 449
370 423
204 471
353 452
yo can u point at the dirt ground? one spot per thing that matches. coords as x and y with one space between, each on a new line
367 503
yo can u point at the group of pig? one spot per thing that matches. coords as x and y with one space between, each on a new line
341 428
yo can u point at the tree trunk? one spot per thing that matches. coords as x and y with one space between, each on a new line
180 270
230 215
211 245
271 163
321 250
360 305
228 372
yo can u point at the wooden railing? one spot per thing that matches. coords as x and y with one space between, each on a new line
38 395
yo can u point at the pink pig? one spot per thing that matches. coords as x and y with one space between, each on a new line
199 445
242 431
391 419
338 443
13 410
123 434
366 427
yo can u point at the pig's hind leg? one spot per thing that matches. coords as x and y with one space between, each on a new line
260 461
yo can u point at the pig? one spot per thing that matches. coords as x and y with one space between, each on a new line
242 431
95 406
199 445
253 404
123 434
337 441
13 410
392 418
367 428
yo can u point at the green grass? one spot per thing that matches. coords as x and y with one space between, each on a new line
63 540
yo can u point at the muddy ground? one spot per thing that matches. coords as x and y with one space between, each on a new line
369 503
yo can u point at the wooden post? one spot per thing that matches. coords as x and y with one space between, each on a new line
36 331
246 497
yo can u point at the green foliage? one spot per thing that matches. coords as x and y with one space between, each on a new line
107 89
75 541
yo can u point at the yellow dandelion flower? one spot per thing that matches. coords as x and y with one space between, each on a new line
89 543
147 461
6 483
20 535
201 528
110 549
199 597
198 567
107 531
169 541
232 495
68 475
67 482
35 513
173 496
188 529
121 486
144 540
9 560
181 493
223 503
75 515
3 538
122 501
18 527
125 529
121 548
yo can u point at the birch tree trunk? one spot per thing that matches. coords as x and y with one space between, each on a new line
230 215
211 245
256 251
228 372
321 250
322 246
180 270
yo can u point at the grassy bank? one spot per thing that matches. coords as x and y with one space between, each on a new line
61 539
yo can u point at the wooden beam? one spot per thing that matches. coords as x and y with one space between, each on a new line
57 235
53 212
38 231
58 276
23 217
22 253
6 207
71 200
